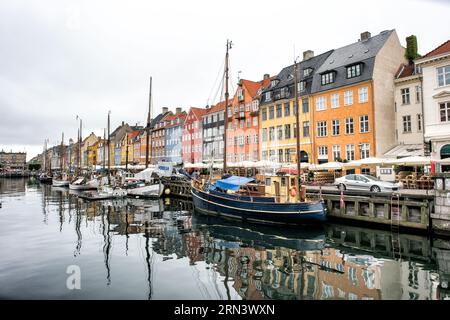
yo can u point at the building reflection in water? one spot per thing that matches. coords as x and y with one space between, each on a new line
258 262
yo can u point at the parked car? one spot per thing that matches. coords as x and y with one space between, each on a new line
365 182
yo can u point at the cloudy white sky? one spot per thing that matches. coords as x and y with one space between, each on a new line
63 58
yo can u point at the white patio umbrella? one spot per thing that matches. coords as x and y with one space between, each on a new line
188 165
410 161
248 164
444 161
366 161
199 165
328 166
218 165
267 164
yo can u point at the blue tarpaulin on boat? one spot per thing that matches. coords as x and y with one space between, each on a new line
233 182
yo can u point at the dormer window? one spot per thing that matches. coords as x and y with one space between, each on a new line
273 83
354 71
327 78
268 95
307 72
301 86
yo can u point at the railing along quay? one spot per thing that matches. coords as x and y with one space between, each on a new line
369 207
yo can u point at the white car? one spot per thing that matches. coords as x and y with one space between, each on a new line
365 182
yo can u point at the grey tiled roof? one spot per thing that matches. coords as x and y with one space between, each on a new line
286 76
361 51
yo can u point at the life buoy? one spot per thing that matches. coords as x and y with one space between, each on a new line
293 191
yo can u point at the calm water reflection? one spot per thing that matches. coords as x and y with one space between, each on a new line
141 249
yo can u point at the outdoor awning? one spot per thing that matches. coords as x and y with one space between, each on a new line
327 166
365 162
410 161
405 150
233 182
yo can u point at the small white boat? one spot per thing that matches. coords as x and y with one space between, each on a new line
60 183
104 192
147 191
84 184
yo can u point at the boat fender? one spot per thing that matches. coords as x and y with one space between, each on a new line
293 191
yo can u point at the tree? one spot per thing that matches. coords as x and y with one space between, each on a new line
411 48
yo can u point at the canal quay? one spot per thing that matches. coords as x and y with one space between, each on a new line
160 249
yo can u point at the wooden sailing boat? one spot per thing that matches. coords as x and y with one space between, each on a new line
46 175
242 198
62 179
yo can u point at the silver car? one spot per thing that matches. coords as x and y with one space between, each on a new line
364 182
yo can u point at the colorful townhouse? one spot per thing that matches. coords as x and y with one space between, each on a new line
92 153
87 142
158 140
213 122
278 115
243 122
353 93
191 140
435 67
115 142
102 152
136 143
128 146
173 133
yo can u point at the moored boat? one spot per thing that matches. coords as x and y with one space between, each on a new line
103 193
84 184
147 191
60 182
234 197
45 178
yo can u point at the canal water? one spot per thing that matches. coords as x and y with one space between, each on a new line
54 245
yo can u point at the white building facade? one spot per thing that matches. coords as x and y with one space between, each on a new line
436 98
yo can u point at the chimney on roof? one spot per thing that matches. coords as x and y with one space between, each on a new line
365 36
165 109
178 110
266 76
308 54
123 123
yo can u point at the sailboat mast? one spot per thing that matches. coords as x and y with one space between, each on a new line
297 118
104 149
109 153
61 160
229 43
148 125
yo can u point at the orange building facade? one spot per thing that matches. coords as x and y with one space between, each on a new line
344 127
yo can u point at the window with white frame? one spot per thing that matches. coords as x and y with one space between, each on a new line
268 95
418 94
321 128
444 111
335 100
264 134
407 124
305 129
247 107
327 78
354 71
348 98
419 122
255 121
405 96
255 105
350 151
349 126
321 103
363 95
323 152
443 75
301 86
365 150
335 125
364 124
336 152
